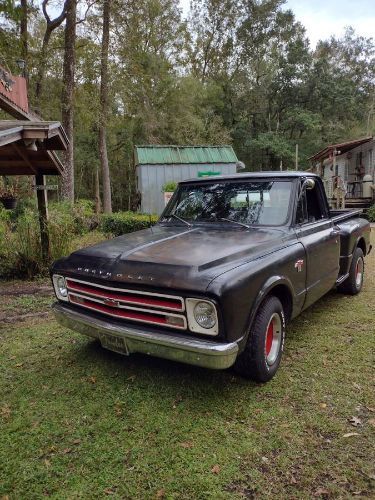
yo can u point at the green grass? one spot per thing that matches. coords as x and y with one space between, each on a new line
81 422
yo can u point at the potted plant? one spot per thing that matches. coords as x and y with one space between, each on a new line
8 196
168 189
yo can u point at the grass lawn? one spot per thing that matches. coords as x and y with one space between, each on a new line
77 421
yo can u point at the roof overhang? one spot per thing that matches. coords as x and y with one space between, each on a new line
340 148
27 147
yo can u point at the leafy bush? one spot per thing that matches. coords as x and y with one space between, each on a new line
20 248
370 213
70 227
169 187
125 222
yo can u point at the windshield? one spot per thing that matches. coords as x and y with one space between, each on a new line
245 202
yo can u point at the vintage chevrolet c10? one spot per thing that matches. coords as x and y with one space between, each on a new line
231 260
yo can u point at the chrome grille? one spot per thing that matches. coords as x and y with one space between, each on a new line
131 305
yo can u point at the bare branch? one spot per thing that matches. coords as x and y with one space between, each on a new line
54 23
89 5
45 13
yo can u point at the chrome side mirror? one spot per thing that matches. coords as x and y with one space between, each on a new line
308 184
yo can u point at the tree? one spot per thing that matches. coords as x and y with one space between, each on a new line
103 118
67 103
51 25
24 30
212 26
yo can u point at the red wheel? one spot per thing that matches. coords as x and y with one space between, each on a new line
261 356
273 339
353 283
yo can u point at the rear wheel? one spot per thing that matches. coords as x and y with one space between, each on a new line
353 283
262 355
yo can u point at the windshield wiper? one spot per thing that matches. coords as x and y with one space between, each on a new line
178 218
235 222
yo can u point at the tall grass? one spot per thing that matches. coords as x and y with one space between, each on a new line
70 227
20 247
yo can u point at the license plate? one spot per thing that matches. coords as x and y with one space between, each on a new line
113 343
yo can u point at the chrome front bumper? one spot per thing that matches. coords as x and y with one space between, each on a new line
175 347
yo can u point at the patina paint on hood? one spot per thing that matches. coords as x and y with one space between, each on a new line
173 256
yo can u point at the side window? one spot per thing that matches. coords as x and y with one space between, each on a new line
310 207
301 216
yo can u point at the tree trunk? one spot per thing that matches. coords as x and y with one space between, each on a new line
51 25
41 69
107 199
98 205
67 98
24 34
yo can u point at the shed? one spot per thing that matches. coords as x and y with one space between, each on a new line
157 165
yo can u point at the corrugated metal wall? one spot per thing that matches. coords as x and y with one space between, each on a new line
151 179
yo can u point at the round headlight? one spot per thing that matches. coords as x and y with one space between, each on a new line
204 314
61 286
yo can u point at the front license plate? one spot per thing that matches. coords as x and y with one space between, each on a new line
113 343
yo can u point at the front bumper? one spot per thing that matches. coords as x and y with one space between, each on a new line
175 347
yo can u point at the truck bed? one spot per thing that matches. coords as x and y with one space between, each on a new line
342 214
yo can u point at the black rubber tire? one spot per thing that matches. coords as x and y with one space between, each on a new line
252 362
349 286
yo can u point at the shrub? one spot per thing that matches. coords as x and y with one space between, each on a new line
20 249
70 228
370 213
169 187
125 222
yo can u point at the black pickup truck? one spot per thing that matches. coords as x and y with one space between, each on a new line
231 260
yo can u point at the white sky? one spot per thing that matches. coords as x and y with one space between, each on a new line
323 18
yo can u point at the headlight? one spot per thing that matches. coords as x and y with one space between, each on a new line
59 284
202 316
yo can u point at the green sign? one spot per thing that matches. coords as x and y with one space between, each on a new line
208 173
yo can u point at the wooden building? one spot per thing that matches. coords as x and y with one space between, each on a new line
28 145
354 162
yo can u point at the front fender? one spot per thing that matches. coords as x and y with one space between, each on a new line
270 284
240 291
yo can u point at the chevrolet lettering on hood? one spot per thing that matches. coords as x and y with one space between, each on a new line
106 274
215 281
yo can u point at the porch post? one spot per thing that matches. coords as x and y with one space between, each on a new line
41 195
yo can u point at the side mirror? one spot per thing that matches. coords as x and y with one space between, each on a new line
308 184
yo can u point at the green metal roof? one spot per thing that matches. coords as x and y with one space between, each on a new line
161 155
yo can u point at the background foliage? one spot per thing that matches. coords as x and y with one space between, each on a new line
233 71
70 227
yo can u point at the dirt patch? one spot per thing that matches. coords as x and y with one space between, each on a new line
24 300
17 288
22 317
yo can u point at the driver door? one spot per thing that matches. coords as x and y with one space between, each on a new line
321 240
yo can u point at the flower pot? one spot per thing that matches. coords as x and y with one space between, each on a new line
9 203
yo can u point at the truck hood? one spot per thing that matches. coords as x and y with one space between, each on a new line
172 256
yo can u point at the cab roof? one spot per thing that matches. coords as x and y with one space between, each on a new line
252 175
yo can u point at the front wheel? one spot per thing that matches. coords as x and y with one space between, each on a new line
353 283
262 355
